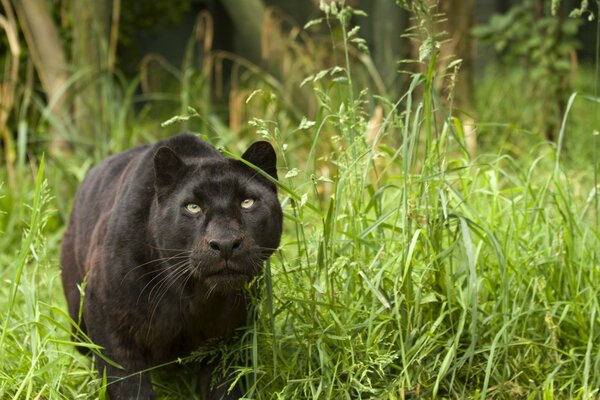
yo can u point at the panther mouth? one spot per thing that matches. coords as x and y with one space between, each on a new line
225 280
225 274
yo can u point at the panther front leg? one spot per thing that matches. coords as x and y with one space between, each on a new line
125 373
128 382
213 389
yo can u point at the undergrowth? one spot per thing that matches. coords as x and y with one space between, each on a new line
407 269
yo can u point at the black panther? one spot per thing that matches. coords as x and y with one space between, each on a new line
162 239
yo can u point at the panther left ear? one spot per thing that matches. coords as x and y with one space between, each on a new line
168 167
262 155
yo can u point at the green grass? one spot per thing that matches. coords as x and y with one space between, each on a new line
407 269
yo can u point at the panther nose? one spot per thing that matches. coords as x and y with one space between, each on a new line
225 246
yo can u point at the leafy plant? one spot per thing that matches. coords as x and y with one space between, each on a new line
577 12
530 36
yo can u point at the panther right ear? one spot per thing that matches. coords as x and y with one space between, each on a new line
262 155
168 167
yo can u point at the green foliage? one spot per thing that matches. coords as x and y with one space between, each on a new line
35 326
577 12
520 35
406 269
541 44
508 117
150 17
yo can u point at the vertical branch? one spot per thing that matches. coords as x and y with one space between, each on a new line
248 17
114 34
7 86
48 55
90 57
384 32
459 18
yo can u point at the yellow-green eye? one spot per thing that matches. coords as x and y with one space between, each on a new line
193 208
248 203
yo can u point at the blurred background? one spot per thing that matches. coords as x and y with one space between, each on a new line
78 71
88 78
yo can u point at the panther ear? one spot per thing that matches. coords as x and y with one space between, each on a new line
168 167
262 155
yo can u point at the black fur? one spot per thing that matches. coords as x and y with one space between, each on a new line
161 279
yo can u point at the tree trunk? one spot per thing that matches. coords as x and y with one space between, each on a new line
460 19
390 23
90 56
248 18
8 86
48 55
383 31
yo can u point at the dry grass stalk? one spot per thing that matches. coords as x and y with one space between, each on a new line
8 86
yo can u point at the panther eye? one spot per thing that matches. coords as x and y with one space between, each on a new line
247 203
193 208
